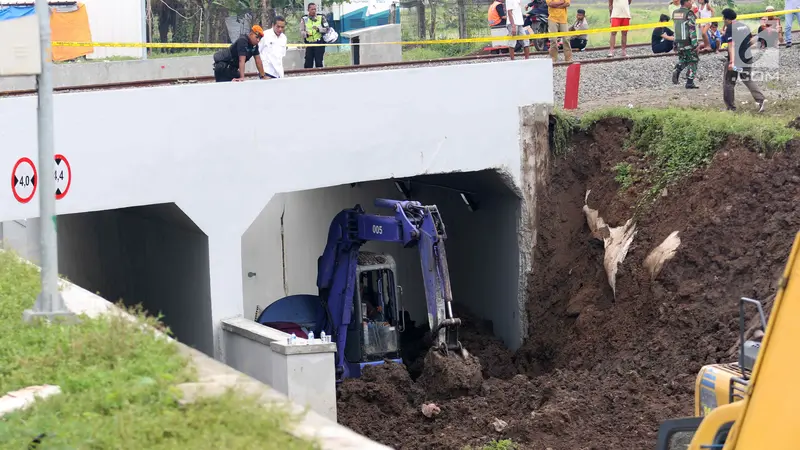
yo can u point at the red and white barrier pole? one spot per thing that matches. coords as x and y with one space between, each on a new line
573 82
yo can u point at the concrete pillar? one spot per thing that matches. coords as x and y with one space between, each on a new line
534 132
535 150
375 54
225 260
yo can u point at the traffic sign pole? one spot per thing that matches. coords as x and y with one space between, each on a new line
49 304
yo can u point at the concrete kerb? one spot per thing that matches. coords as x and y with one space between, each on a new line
215 378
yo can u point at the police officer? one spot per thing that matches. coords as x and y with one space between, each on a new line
313 27
685 43
229 62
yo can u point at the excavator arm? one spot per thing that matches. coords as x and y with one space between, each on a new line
412 225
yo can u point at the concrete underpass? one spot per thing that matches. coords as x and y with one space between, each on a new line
189 253
153 256
281 247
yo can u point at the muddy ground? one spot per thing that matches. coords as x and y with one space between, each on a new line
600 372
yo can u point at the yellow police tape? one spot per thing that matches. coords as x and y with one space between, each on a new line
427 42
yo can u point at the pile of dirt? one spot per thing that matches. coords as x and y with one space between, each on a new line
446 377
600 370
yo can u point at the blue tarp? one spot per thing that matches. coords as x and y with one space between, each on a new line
15 12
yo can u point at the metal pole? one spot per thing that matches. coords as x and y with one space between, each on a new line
49 303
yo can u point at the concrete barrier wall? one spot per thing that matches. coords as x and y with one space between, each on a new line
90 73
304 372
173 144
375 54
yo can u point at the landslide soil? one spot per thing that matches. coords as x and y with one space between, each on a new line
601 371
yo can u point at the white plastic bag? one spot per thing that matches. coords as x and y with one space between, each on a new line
330 36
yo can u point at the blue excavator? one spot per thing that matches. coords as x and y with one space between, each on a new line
359 300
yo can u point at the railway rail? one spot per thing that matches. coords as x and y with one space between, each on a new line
304 72
351 68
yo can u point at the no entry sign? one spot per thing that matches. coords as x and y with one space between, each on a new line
23 180
63 176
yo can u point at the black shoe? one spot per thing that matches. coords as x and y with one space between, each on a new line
676 74
788 45
690 85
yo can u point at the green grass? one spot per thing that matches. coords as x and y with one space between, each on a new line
505 444
118 384
563 129
624 175
675 142
336 59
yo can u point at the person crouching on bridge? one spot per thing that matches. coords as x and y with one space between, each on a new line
273 48
685 43
229 62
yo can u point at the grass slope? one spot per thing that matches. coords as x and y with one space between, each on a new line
671 143
118 384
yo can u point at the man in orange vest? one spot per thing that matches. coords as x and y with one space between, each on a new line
497 14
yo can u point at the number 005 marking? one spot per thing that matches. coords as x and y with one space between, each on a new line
377 229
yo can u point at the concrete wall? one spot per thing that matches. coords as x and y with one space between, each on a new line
83 74
138 255
151 255
285 240
170 144
22 236
375 54
304 372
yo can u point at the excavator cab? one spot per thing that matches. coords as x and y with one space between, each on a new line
721 384
762 413
716 385
373 334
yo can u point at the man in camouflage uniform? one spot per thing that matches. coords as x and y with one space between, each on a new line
685 43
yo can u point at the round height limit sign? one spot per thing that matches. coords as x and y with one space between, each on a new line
24 179
63 174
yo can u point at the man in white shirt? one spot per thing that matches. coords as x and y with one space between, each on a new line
272 48
515 28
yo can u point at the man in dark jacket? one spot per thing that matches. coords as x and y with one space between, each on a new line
662 39
229 62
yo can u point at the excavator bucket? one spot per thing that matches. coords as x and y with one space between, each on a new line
444 325
450 343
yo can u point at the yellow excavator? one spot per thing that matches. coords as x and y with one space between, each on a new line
753 404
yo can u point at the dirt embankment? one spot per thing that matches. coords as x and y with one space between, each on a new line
601 371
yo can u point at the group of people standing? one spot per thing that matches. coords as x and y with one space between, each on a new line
737 37
268 48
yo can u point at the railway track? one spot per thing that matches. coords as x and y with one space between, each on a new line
358 68
304 72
